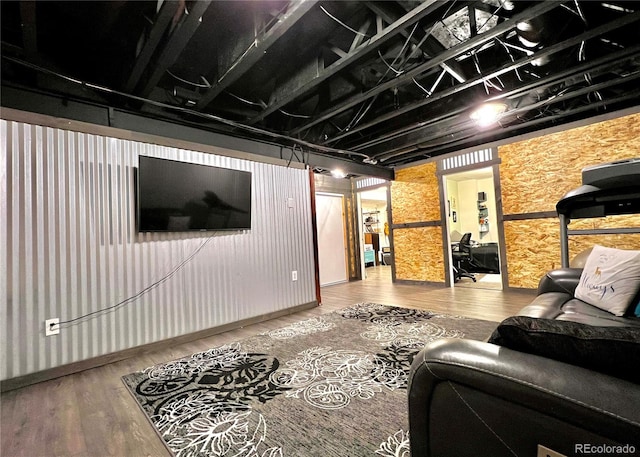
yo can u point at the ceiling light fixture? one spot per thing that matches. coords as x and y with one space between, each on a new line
508 5
338 173
488 114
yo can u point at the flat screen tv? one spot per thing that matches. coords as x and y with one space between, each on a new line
179 196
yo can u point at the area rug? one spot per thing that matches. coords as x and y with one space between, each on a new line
334 385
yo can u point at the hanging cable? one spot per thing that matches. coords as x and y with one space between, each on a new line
478 29
302 116
397 72
404 46
578 12
342 23
360 114
206 85
210 117
126 301
424 90
506 48
261 104
264 105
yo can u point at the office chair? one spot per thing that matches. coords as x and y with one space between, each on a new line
460 255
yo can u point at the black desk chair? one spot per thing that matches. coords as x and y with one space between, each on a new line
462 256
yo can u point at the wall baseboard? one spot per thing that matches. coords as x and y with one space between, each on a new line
94 362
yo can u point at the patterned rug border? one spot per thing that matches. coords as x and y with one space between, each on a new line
282 377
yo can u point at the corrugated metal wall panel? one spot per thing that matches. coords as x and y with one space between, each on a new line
4 147
68 222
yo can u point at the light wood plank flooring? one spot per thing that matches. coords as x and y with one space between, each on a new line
92 414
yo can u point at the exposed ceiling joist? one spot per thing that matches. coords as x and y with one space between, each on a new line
451 53
256 51
160 26
401 139
496 73
178 40
289 93
361 82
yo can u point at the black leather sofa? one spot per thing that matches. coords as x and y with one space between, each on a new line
473 398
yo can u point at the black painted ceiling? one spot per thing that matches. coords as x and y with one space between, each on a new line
384 82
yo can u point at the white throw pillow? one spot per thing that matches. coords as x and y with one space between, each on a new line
610 279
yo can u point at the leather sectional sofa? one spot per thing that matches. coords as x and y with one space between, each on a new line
546 382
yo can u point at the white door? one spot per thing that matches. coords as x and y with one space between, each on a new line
331 239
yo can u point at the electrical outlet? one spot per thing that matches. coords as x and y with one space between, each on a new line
294 275
546 452
52 326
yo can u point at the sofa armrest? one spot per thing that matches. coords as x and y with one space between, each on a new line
563 280
512 401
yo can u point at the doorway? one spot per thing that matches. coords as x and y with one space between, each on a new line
332 248
374 239
471 209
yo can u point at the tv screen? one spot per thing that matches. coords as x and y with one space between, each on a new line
179 196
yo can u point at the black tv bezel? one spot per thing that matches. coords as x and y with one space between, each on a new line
138 207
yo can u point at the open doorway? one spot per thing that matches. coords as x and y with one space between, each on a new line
472 229
374 240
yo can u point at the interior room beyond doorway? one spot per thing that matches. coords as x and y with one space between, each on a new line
473 229
376 253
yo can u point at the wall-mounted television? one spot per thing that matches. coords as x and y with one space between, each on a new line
175 196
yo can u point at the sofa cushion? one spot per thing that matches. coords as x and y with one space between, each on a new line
610 279
611 350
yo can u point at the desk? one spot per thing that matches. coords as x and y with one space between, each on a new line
485 258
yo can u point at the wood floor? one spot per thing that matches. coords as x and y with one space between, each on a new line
92 414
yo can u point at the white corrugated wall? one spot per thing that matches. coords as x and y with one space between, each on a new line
70 248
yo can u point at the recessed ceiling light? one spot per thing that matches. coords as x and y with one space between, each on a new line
488 114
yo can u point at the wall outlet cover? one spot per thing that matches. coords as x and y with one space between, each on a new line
52 326
294 275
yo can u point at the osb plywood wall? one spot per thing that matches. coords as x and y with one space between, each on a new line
414 194
618 221
414 198
418 254
351 238
536 173
533 247
579 243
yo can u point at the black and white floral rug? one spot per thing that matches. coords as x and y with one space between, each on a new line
333 385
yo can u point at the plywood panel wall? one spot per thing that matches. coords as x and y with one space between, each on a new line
414 194
418 254
578 243
533 247
418 250
536 173
619 221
